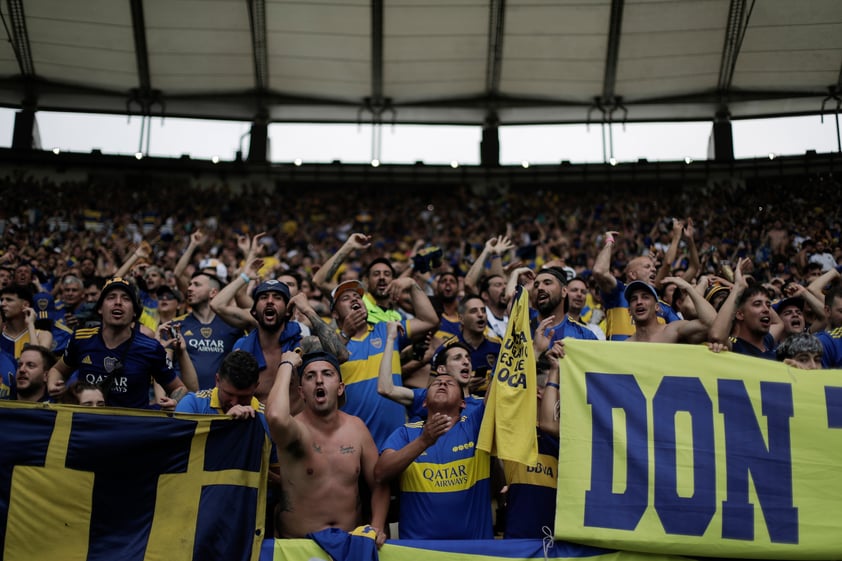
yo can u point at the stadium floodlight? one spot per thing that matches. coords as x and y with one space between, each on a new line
215 159
524 164
375 163
138 155
454 164
772 155
298 162
612 161
56 151
688 160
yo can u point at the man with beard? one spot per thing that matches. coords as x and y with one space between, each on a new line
551 289
117 355
209 337
492 290
446 302
274 334
324 452
19 321
31 377
378 277
643 301
367 343
643 268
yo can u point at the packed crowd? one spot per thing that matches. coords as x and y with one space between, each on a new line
361 328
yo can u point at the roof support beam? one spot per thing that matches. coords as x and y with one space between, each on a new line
257 23
612 54
738 17
19 39
377 53
140 50
259 134
494 58
489 148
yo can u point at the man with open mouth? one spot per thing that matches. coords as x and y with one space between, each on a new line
324 452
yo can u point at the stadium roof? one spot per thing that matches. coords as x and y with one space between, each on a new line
424 61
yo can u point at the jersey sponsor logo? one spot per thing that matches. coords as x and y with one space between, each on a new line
207 345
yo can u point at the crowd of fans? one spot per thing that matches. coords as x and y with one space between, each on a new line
327 282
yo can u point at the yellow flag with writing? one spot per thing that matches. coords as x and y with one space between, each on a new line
508 425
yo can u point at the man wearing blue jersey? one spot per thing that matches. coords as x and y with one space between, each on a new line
444 478
209 338
550 293
116 355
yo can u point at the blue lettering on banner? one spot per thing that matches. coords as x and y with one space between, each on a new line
603 507
770 468
833 400
684 515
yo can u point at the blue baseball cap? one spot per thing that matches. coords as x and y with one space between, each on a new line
271 285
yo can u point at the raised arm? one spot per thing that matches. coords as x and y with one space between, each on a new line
720 331
425 318
602 265
143 251
385 384
324 276
693 262
672 252
223 303
328 337
283 427
494 249
179 272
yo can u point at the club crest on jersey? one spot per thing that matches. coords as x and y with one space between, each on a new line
110 364
206 332
377 342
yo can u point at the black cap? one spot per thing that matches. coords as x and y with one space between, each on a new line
119 283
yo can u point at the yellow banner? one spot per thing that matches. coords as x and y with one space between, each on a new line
508 424
675 449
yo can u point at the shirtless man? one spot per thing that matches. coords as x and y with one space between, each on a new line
323 451
643 308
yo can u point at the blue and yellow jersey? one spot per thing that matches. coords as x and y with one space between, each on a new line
289 339
14 346
448 327
445 492
569 328
359 373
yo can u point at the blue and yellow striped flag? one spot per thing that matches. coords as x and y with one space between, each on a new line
82 483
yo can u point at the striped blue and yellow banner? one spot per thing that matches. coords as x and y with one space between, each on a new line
82 483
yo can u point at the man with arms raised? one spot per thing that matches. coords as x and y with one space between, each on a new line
643 307
323 451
